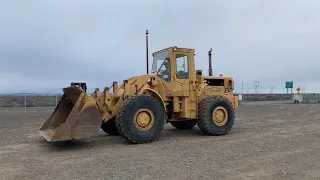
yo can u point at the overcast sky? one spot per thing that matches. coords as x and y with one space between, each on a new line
45 45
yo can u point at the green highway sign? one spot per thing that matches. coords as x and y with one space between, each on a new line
289 84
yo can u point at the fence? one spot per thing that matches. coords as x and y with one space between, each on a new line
27 100
310 98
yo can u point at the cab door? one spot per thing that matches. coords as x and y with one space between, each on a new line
182 83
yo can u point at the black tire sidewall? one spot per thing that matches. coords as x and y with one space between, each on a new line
139 102
212 126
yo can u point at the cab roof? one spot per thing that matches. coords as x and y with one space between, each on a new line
178 49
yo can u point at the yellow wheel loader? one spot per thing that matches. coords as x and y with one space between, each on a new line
137 109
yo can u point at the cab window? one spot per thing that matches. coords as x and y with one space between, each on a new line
164 70
182 68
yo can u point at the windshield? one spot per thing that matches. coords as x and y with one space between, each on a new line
158 60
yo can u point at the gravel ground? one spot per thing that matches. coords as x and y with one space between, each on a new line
278 141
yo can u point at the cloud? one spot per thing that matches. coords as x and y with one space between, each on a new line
45 45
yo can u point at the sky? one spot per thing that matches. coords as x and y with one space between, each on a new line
46 45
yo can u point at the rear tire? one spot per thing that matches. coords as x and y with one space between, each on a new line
185 125
140 119
212 125
110 127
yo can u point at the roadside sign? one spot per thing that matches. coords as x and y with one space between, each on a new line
298 90
289 84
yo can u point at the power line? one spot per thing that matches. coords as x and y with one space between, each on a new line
271 89
256 85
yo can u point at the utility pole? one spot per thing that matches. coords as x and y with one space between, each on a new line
242 87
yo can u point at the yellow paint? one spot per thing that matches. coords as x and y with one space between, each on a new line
143 119
220 116
298 90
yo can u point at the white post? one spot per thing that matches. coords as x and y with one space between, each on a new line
56 99
25 106
242 87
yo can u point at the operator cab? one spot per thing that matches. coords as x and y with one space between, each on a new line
81 85
164 61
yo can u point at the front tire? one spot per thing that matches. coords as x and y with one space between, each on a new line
140 119
216 115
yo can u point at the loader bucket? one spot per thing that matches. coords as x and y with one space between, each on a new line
75 117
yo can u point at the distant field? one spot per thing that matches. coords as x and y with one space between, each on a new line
7 101
31 101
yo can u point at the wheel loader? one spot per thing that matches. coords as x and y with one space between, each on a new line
138 108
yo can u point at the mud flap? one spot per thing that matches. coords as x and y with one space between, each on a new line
75 117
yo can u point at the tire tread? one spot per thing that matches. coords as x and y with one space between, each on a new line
120 117
203 114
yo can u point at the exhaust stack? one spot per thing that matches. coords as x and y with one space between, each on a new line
210 62
147 51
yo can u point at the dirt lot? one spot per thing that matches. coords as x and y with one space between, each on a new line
267 142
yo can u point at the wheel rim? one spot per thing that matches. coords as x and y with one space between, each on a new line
143 119
220 116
